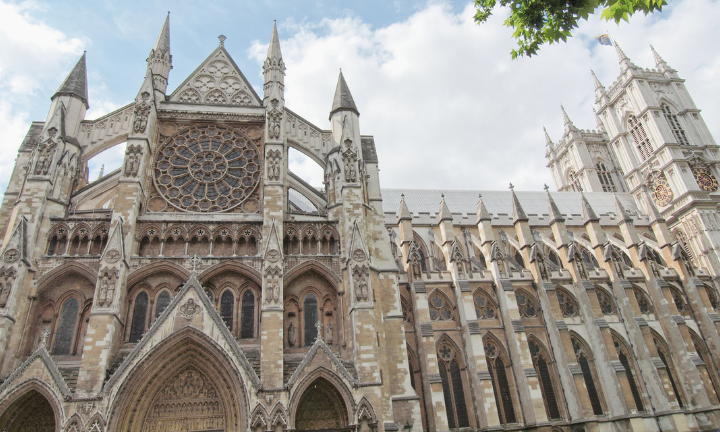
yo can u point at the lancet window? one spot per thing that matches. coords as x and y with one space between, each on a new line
542 368
674 124
712 297
80 243
680 301
666 358
626 358
310 318
527 304
227 307
586 361
58 242
498 366
247 319
67 323
574 181
452 382
605 177
567 302
642 142
485 307
708 368
139 317
100 238
247 242
162 302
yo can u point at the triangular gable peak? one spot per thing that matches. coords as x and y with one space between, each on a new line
217 81
357 251
38 364
16 247
320 348
189 308
115 250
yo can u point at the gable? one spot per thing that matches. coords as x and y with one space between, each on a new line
217 81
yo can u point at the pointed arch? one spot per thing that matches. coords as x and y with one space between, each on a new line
665 355
527 303
150 269
330 381
63 270
627 359
454 382
365 411
309 265
586 361
31 398
442 307
74 423
500 371
485 305
259 418
547 376
197 369
568 303
226 266
707 368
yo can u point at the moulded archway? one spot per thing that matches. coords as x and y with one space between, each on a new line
321 407
30 408
186 383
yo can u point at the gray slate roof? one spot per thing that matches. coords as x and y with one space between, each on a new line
500 202
76 82
32 139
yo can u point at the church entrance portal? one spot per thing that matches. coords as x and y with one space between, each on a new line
30 412
321 408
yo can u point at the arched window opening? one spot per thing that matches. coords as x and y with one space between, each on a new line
605 177
682 239
247 320
708 368
137 328
666 359
568 304
642 142
624 356
607 305
584 358
162 302
501 385
222 246
52 245
199 245
452 383
98 245
291 244
310 318
526 303
227 308
712 297
546 381
574 181
680 301
643 302
144 249
67 323
674 124
440 308
75 246
485 307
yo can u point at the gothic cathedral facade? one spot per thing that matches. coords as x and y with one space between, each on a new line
203 286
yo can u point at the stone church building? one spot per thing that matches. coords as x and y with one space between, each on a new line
203 286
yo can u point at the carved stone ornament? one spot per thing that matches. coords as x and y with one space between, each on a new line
273 283
112 256
360 280
133 156
45 156
358 255
274 118
106 291
274 159
189 309
7 279
273 255
349 159
142 111
11 255
44 336
87 408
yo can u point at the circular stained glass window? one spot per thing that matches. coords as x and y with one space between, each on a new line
207 168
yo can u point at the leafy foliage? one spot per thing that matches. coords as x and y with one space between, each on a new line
536 22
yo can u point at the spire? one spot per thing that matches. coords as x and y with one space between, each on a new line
76 82
518 212
403 213
598 122
444 210
482 212
274 48
624 60
160 61
598 85
658 59
555 215
621 212
588 212
569 126
343 100
548 141
162 44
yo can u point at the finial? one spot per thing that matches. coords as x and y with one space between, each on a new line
546 187
195 260
402 195
222 40
658 59
512 187
479 195
598 85
565 116
442 195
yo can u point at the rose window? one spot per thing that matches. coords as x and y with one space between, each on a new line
207 169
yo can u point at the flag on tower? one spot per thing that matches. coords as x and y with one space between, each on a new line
604 40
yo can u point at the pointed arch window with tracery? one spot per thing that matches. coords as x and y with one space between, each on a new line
665 357
625 357
485 307
675 127
498 367
452 382
567 302
64 335
542 368
574 181
605 177
586 361
440 308
642 142
607 305
137 326
643 302
680 301
247 319
526 304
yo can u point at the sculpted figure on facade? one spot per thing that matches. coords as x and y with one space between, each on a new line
292 334
274 121
7 280
133 157
273 280
274 159
350 159
45 156
106 290
360 279
142 111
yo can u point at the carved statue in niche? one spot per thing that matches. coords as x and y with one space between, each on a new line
361 284
132 160
582 270
273 164
44 337
349 158
6 283
46 153
272 285
142 111
542 267
106 291
329 333
274 119
292 334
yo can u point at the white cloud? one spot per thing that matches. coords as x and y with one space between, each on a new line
450 109
31 54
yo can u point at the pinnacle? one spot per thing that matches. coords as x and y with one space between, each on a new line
588 212
482 211
621 212
548 141
162 44
658 59
274 48
598 85
403 213
620 53
598 122
555 214
343 100
75 83
565 116
444 211
518 211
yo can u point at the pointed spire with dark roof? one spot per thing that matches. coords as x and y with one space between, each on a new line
162 44
555 214
620 212
274 48
588 212
76 83
343 100
444 211
403 213
518 212
482 212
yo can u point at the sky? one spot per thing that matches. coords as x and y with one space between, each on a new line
448 107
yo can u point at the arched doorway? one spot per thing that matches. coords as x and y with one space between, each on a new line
186 384
321 407
31 412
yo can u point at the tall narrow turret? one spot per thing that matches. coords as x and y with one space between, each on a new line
160 61
274 69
